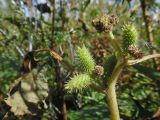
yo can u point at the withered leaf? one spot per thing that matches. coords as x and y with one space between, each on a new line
32 88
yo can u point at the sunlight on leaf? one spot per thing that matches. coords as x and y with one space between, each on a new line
31 89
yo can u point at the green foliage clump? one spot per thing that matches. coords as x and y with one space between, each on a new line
78 83
129 36
85 61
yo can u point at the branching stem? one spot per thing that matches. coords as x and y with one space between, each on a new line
111 92
132 62
111 82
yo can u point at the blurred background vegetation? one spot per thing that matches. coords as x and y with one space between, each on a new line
28 28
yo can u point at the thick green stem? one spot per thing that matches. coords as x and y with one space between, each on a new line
111 82
116 72
112 103
111 92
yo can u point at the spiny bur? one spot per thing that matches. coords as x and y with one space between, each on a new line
85 61
129 36
78 83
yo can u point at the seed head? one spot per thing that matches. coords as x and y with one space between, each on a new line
135 51
105 23
99 70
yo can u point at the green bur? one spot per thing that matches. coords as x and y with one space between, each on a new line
86 64
78 83
85 61
129 36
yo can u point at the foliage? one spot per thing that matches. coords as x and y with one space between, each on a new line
41 55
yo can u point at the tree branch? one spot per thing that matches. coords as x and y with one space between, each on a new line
148 26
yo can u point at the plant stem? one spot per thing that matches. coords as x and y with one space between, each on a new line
132 62
53 24
111 92
61 105
114 43
112 103
116 72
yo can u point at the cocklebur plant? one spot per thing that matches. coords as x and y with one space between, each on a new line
87 67
113 66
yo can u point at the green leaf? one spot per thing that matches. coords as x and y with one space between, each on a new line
149 72
109 66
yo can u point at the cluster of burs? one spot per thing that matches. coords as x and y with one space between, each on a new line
85 62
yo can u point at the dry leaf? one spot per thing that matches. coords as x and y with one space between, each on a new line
17 104
29 91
